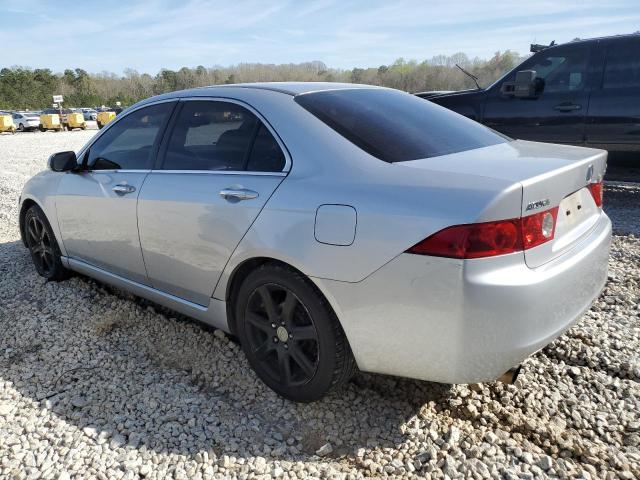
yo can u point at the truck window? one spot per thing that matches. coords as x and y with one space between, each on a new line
622 68
562 69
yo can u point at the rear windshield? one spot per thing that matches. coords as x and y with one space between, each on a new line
395 126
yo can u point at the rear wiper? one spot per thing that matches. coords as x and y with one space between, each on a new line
475 79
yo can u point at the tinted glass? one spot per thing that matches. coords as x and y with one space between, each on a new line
622 69
211 136
395 126
266 155
562 69
128 143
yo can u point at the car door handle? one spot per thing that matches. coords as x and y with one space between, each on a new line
567 107
123 189
238 194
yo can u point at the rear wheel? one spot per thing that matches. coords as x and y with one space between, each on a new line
290 334
42 245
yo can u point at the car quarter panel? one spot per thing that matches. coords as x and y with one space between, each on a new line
466 321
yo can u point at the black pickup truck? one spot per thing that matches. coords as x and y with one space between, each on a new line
585 92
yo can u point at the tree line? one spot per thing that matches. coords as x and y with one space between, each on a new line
27 88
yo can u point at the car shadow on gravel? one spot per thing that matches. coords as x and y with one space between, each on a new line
135 375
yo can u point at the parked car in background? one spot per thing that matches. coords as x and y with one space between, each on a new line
26 121
326 233
89 114
585 92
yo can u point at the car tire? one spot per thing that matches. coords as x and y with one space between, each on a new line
42 245
290 334
21 127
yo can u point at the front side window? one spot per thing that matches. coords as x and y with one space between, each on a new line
216 135
622 68
128 144
395 126
560 69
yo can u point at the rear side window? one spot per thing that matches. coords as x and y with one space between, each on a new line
215 135
395 126
266 155
128 143
622 69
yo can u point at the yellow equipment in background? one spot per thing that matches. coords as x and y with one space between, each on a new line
75 120
50 121
6 124
104 117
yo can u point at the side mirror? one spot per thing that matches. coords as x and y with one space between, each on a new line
525 85
63 161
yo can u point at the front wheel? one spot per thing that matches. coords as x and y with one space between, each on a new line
21 127
42 245
290 334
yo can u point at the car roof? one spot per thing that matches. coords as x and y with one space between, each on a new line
287 88
291 88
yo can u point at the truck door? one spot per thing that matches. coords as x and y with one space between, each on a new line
614 111
558 113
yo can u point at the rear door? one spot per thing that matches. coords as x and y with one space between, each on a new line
614 111
558 114
97 208
220 164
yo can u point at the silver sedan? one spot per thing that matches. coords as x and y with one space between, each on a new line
331 227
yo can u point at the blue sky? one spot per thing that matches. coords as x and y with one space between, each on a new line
148 35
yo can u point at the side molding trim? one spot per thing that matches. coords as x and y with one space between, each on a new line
214 315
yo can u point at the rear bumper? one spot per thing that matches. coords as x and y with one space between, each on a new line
455 321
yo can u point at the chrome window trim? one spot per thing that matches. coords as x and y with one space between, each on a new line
265 122
115 170
198 172
223 172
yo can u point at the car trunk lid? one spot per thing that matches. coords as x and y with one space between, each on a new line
550 176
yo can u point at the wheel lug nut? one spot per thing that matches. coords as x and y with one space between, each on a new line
286 346
273 325
275 339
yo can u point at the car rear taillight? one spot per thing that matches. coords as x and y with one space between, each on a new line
538 228
597 192
489 239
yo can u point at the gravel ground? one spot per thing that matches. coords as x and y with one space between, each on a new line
95 383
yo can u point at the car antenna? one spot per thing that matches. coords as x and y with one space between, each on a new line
475 79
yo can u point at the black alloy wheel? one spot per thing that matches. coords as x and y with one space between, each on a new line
281 334
290 334
39 243
42 245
